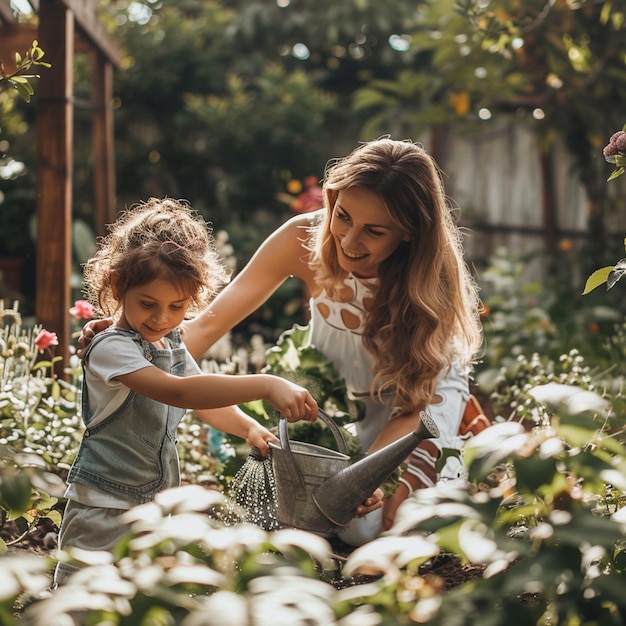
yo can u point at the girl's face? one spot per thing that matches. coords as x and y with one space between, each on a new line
154 309
363 231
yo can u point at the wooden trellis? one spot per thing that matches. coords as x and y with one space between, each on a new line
64 27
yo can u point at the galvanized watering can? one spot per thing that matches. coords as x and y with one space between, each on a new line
318 489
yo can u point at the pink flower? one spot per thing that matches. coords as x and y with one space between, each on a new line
311 199
45 339
82 310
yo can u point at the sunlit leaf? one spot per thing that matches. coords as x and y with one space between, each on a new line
314 545
223 608
568 399
599 277
194 574
476 543
188 498
388 553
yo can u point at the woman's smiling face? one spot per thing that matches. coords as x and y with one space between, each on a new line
363 231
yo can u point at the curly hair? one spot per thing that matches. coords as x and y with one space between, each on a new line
162 239
425 311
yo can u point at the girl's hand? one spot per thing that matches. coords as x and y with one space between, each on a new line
291 400
258 437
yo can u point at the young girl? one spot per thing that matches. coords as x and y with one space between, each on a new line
156 263
393 306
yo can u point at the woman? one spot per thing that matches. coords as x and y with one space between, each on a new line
393 304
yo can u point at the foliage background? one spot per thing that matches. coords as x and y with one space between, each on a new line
225 103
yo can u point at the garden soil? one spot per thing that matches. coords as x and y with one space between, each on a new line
443 572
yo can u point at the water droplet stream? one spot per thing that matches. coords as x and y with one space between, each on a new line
253 489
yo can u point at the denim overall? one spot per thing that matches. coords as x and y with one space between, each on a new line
132 453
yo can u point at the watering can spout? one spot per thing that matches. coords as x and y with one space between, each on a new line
338 496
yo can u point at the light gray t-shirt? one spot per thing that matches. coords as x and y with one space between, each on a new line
116 356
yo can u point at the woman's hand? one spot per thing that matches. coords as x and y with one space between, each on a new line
90 330
375 501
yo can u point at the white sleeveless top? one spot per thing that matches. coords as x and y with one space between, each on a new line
337 332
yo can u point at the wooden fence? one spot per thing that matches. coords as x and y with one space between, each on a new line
495 178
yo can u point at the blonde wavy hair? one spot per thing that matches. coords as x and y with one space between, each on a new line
162 239
425 311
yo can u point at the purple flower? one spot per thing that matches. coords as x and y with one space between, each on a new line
616 146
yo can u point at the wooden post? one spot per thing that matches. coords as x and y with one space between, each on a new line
103 144
54 181
548 203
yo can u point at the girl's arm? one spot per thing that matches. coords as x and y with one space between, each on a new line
234 421
280 256
211 391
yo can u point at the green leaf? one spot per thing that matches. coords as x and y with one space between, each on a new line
16 492
534 472
599 277
55 391
54 517
23 89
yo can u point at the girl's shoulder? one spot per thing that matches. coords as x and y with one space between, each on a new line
114 354
111 337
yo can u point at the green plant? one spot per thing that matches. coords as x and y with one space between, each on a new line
551 546
515 314
179 565
39 425
20 78
23 576
530 308
614 152
294 358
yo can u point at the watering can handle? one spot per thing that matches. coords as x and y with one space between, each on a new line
296 474
283 433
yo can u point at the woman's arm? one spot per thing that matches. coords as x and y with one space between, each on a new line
395 428
280 256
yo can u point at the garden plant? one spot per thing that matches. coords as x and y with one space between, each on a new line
542 521
541 528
